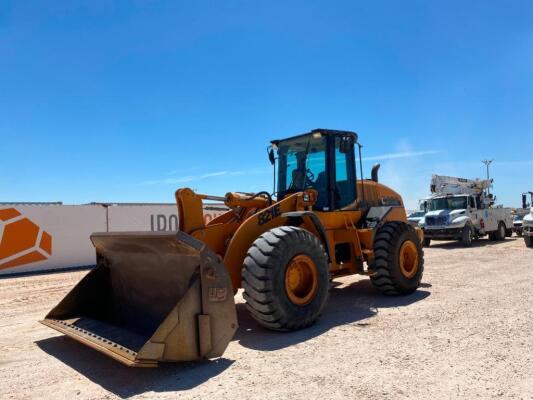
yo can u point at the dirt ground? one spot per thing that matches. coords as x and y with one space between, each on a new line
466 333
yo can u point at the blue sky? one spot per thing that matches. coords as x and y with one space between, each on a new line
127 101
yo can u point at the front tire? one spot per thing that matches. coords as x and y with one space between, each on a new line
286 279
427 242
398 259
467 236
529 241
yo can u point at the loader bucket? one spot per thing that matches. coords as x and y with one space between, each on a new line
153 296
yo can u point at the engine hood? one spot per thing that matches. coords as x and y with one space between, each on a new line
446 212
442 217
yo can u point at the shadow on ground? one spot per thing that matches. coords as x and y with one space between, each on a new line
125 381
451 245
352 304
355 303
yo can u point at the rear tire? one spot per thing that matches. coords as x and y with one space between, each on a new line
499 235
286 279
467 236
529 241
508 233
393 242
427 242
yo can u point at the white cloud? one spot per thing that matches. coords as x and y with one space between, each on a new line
404 154
194 178
405 174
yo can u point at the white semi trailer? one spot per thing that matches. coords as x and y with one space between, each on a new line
462 209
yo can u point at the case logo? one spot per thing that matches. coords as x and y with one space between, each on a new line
268 215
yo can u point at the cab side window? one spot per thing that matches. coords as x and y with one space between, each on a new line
472 202
345 190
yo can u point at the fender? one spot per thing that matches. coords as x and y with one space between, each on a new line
262 221
296 218
461 221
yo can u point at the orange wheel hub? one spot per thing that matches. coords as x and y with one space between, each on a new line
301 280
408 259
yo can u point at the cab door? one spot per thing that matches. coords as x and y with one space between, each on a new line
474 212
344 177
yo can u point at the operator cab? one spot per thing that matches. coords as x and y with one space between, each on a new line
323 160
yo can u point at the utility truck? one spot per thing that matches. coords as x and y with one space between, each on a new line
462 209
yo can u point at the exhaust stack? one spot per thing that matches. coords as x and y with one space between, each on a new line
374 173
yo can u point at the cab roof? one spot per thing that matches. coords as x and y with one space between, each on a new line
331 132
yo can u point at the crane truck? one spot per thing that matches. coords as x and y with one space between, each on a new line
463 209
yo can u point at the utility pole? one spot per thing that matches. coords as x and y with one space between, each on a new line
487 163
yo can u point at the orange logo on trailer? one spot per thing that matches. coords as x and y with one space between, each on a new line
21 240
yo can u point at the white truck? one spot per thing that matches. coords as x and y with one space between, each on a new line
462 209
527 228
520 213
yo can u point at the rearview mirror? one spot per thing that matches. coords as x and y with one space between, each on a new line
271 155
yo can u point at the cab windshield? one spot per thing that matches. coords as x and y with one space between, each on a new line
447 203
325 163
302 164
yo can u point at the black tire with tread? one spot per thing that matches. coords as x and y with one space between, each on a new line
386 274
427 242
529 241
499 234
263 278
467 236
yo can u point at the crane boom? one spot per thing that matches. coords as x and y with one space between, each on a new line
450 185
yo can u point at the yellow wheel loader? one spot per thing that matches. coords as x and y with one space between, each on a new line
167 296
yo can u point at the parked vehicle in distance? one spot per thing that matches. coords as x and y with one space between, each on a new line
461 209
415 217
528 228
517 224
520 213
